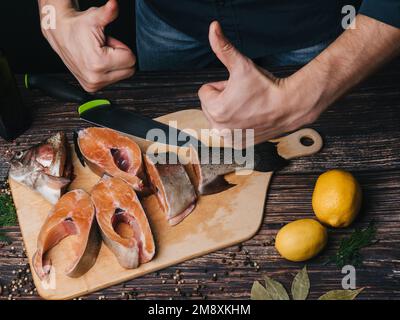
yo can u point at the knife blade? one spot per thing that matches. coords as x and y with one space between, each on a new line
103 113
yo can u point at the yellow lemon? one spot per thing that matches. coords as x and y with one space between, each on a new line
337 198
301 240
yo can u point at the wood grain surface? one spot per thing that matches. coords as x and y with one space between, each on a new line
218 221
361 133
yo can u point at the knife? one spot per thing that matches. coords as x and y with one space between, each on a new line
103 113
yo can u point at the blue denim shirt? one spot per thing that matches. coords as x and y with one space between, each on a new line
387 11
262 27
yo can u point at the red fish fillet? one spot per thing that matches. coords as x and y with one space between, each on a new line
172 186
123 222
72 216
107 151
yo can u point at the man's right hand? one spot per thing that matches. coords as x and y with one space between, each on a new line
95 59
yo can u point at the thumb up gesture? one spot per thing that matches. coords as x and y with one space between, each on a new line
252 98
95 59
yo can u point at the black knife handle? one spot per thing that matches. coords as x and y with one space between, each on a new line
56 88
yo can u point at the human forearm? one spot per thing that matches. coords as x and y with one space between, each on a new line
350 59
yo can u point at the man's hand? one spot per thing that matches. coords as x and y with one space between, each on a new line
252 98
95 59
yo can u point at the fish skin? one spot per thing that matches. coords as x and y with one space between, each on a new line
216 185
45 168
208 178
96 146
116 201
172 187
77 150
89 257
74 214
180 217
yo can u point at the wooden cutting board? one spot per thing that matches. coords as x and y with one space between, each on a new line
219 220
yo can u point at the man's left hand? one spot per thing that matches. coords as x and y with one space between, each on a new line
252 98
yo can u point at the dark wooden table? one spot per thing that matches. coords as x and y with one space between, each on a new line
361 134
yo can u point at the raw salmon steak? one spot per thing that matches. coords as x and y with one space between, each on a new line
123 222
73 216
171 184
107 151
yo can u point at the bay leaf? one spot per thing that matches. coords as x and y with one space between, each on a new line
341 294
275 289
258 292
301 285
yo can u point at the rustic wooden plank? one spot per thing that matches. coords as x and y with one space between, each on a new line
379 273
361 133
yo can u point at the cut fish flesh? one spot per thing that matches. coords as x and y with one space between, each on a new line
45 168
73 216
172 186
123 222
107 151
